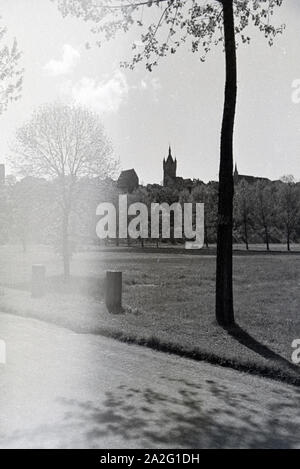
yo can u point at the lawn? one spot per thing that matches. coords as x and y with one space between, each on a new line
169 303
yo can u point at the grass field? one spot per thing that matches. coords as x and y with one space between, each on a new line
169 303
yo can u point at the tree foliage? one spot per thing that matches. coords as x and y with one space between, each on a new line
171 23
11 75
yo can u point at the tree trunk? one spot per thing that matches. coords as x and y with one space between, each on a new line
288 241
65 245
267 238
246 233
205 236
224 295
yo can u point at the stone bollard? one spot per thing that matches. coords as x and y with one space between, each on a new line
38 281
113 291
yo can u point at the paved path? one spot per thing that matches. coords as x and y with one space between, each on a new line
61 389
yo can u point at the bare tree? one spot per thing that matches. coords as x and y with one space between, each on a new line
265 209
243 209
204 24
289 207
64 143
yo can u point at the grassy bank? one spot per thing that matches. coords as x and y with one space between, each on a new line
169 304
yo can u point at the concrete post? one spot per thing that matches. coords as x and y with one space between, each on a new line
113 291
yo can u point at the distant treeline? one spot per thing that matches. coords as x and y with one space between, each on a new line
30 210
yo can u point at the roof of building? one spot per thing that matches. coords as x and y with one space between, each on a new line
127 173
128 180
251 178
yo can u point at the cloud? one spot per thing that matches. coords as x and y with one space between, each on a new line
152 85
103 96
70 57
156 85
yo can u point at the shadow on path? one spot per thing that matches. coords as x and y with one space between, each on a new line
194 416
175 413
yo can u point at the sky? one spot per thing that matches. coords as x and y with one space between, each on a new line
178 104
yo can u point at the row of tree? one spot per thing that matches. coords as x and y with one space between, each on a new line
263 211
270 211
32 212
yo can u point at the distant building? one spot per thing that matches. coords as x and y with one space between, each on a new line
128 181
170 168
249 179
171 179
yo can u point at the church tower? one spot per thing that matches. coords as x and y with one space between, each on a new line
170 167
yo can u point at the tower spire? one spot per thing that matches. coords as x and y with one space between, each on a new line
170 167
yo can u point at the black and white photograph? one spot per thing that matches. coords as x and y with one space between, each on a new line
149 227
